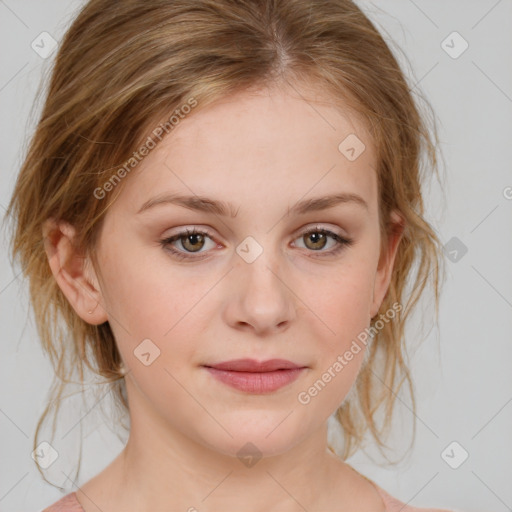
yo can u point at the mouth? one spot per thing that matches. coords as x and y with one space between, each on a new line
256 377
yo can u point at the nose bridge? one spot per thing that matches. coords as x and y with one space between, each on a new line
260 263
263 298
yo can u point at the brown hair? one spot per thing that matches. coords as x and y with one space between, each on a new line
123 67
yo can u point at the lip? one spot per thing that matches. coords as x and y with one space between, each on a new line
254 376
251 365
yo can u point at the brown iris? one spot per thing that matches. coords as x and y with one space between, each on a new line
193 239
319 240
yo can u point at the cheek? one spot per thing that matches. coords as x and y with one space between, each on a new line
341 311
151 300
141 296
344 303
139 304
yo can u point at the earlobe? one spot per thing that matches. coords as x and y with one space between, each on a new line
73 272
387 262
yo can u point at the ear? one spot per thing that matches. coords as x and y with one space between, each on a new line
73 272
386 262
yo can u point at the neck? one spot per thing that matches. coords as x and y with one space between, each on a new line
164 468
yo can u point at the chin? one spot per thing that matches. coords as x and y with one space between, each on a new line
254 438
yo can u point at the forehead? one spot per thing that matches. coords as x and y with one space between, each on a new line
261 145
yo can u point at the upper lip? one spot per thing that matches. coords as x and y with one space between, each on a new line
251 365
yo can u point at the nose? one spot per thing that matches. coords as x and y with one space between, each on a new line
260 299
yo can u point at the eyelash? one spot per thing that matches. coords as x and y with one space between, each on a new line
342 242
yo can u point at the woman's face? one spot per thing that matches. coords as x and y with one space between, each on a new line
253 284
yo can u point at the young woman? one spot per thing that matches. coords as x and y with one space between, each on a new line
222 206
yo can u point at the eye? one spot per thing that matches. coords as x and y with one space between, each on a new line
191 240
316 239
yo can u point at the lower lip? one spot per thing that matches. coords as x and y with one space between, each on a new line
262 382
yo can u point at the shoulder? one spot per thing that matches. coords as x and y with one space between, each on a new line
393 504
68 503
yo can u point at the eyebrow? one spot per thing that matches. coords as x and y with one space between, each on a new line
208 205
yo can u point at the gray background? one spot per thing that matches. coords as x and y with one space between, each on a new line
462 371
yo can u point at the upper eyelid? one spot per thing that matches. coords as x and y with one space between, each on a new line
208 232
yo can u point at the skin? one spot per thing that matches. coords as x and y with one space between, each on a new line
263 151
